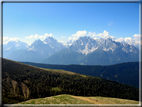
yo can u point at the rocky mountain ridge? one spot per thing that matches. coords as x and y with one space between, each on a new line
82 51
88 51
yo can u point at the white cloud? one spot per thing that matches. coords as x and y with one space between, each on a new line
63 42
36 36
128 39
136 37
45 36
77 35
134 40
7 39
91 34
48 35
120 40
80 33
42 37
29 37
13 39
70 38
74 38
105 34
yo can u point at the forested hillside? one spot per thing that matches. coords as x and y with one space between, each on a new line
23 82
126 73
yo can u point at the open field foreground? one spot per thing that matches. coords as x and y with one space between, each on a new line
70 99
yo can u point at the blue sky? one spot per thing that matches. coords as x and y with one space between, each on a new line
64 21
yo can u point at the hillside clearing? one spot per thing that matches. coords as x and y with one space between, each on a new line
59 71
70 99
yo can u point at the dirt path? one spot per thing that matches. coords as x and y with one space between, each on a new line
90 100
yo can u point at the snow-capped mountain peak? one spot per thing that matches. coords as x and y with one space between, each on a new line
84 49
48 40
53 43
15 45
86 45
47 47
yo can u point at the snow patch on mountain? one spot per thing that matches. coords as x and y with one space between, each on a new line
51 46
31 48
45 43
124 49
105 49
87 50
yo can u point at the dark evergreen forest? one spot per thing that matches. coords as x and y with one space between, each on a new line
126 73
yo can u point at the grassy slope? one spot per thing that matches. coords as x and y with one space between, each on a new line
70 99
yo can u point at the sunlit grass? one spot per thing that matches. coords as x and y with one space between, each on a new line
69 99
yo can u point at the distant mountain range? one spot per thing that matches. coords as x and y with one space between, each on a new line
36 52
85 50
88 51
13 46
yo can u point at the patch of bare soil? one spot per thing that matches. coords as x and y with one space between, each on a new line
90 100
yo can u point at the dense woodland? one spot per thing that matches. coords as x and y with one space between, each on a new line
126 73
43 83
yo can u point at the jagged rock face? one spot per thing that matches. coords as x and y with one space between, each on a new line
54 44
16 88
15 45
102 48
39 47
88 51
36 52
86 45
47 47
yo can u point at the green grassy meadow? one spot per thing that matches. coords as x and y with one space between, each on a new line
70 99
